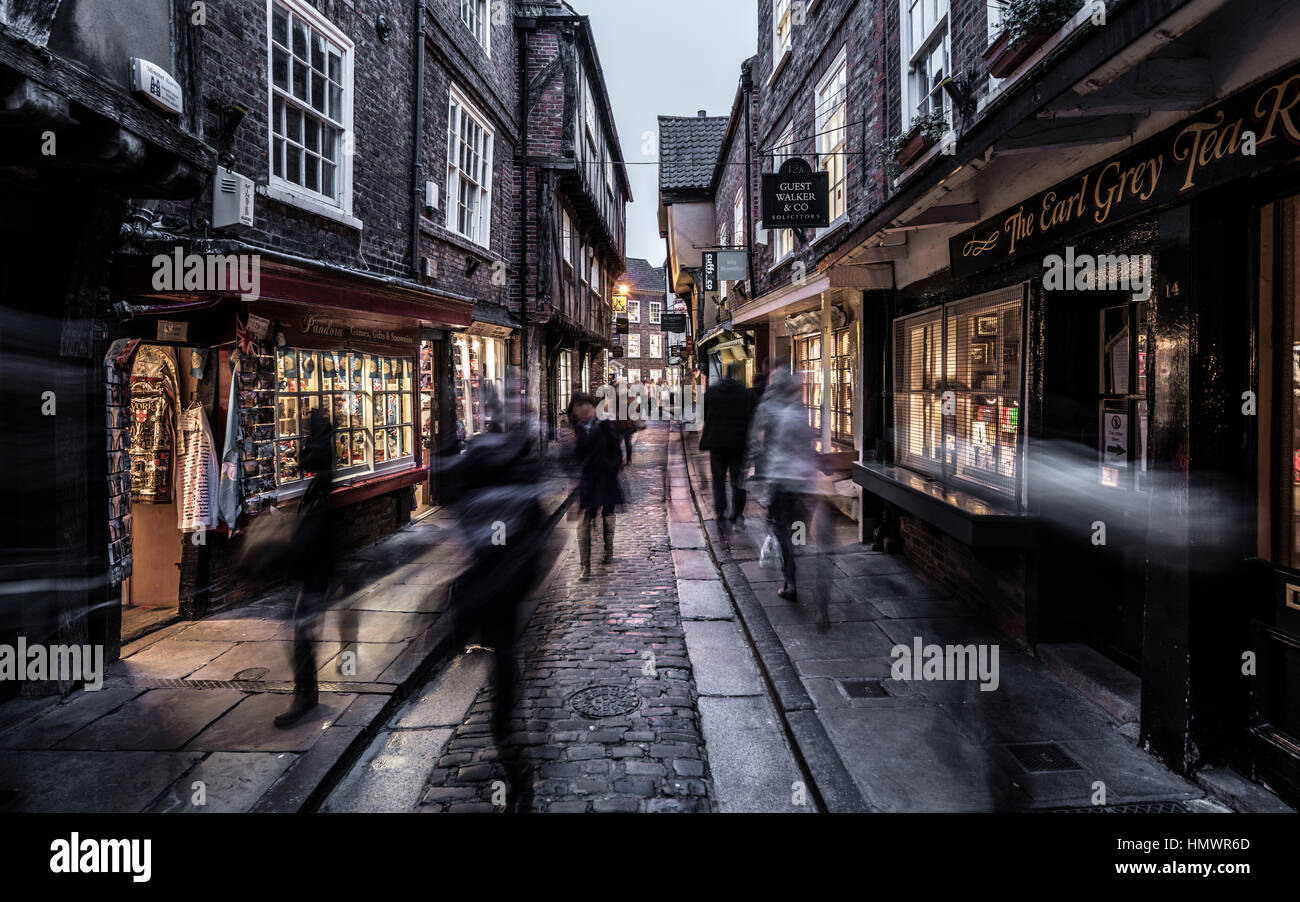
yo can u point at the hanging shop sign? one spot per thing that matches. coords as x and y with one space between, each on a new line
618 303
733 266
1252 130
795 197
621 327
710 263
157 85
673 322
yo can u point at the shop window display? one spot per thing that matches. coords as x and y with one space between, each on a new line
368 398
808 360
957 390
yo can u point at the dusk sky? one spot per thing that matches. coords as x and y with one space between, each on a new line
665 57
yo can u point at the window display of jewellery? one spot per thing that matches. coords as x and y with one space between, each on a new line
257 450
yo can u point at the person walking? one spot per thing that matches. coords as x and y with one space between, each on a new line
782 451
310 555
728 410
624 425
598 459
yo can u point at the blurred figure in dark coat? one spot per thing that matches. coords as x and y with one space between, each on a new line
310 555
728 410
598 459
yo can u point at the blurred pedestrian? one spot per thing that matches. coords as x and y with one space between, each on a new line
728 411
782 450
311 552
598 459
624 424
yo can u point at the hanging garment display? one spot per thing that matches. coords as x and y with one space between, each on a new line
152 424
198 473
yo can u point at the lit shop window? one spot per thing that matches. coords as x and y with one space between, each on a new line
469 171
368 398
957 390
633 311
656 313
311 76
808 364
842 364
474 13
634 345
656 346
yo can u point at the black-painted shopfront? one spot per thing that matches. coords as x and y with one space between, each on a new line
1115 460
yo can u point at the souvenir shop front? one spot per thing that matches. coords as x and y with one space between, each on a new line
479 358
210 400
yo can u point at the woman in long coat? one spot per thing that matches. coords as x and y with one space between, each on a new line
599 457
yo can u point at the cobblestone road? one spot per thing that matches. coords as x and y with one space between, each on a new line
621 630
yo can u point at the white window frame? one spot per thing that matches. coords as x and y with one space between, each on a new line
566 235
482 11
914 52
656 346
456 100
738 218
338 208
782 239
833 140
656 312
995 10
634 345
782 12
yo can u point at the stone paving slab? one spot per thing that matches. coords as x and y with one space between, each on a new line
161 719
391 773
753 770
110 781
55 723
232 783
722 660
371 661
170 659
704 599
405 598
248 728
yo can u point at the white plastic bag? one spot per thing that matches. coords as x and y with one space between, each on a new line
769 558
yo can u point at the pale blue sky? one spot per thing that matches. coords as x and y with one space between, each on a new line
672 58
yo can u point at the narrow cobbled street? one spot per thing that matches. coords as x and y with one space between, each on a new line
613 646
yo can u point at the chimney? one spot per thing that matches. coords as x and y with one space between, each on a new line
704 113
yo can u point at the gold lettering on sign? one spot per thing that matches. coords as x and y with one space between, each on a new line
1280 110
975 246
1207 145
1019 225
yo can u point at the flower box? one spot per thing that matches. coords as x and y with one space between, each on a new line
916 144
1004 58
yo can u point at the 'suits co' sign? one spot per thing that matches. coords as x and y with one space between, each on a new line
795 197
1251 130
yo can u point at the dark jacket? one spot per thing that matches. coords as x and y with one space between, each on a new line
313 541
728 410
598 455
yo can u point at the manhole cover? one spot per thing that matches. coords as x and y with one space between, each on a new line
864 689
604 701
1042 757
252 673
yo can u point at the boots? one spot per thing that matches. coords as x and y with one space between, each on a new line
609 539
584 547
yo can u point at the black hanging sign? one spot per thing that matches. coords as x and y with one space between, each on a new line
710 271
673 322
795 197
1251 130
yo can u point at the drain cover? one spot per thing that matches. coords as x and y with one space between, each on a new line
604 701
252 673
1042 757
864 689
1131 808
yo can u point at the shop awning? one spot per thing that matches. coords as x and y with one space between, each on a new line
291 280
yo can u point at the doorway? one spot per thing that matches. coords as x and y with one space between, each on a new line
1091 470
157 389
